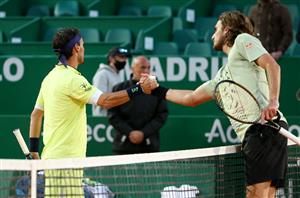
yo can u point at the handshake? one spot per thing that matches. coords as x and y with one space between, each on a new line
148 83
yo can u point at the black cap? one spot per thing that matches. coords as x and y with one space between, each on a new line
118 51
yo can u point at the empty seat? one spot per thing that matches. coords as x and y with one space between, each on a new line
165 48
38 10
247 8
90 35
208 35
118 35
219 8
294 12
198 49
66 8
139 43
130 11
203 25
177 24
1 36
296 50
159 10
183 37
49 34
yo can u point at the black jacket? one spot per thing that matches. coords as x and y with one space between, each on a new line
272 24
143 112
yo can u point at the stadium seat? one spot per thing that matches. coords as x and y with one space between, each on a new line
159 10
1 36
66 8
38 10
183 37
247 8
208 35
90 35
177 24
219 8
165 48
204 24
198 49
130 11
289 51
49 34
118 35
294 12
296 50
139 43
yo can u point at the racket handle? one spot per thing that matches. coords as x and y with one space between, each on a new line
29 156
22 144
289 135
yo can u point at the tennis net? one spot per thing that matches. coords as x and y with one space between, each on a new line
209 172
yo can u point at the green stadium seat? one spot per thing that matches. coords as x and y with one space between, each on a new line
38 10
90 35
177 24
183 37
130 11
160 10
49 34
118 35
294 12
208 35
247 8
1 36
203 25
289 51
165 48
66 8
219 8
296 50
198 49
139 43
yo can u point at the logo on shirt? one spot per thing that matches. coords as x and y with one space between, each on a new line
249 45
85 87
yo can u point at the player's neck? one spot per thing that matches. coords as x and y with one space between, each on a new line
73 63
226 49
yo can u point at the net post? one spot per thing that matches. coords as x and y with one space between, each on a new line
33 179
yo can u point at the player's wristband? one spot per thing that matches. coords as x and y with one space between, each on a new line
134 91
34 144
160 92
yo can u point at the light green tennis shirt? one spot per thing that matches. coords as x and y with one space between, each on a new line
242 69
63 95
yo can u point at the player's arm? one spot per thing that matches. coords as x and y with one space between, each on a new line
184 97
272 68
35 130
109 100
188 97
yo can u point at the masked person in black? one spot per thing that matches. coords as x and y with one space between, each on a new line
108 75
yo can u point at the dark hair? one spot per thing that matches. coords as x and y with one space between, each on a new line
237 23
117 51
61 38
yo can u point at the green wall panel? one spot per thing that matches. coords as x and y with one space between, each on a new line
179 132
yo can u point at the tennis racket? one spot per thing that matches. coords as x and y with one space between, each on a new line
239 104
22 143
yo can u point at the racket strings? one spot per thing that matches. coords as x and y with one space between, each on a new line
237 102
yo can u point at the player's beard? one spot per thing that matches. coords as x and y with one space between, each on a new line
218 46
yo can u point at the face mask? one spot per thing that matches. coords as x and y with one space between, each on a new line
120 65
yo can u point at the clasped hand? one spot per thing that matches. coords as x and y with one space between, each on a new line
148 83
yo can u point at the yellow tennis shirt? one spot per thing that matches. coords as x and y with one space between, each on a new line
62 97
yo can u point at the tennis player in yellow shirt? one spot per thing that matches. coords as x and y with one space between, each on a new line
62 98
